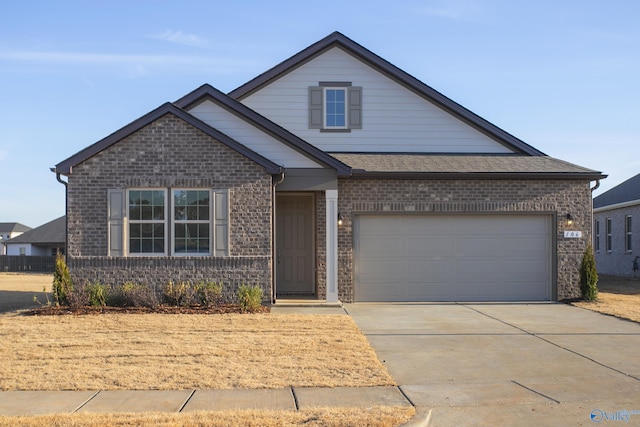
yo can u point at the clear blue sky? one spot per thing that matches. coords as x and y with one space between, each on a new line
562 75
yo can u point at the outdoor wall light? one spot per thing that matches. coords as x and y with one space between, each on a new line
339 218
569 219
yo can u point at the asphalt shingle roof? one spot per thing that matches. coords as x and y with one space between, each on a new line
461 164
625 192
13 227
51 232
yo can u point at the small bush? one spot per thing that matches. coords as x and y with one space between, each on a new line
209 294
132 294
589 276
250 298
98 294
178 294
62 285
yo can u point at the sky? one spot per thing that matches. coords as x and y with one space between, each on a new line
561 75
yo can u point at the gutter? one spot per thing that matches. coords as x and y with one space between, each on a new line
617 206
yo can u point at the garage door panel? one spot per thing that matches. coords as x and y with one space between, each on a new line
429 247
453 258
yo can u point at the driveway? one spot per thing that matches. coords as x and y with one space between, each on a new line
508 364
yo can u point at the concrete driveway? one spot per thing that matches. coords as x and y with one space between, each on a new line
508 364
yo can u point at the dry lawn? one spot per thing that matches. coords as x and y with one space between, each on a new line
177 352
381 416
617 296
161 351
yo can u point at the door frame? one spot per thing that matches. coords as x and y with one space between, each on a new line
312 196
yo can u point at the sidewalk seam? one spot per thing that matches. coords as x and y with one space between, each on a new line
187 400
295 398
86 401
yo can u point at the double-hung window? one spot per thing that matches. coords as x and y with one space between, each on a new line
192 221
147 226
335 106
609 237
163 222
596 226
628 234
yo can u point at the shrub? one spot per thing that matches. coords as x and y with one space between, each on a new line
132 294
179 294
62 285
589 276
98 294
209 294
249 298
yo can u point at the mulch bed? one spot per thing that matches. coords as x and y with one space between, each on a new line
162 309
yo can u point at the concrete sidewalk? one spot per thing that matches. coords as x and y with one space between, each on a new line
17 403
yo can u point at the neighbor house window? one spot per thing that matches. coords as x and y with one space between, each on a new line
608 236
147 226
596 226
192 221
627 234
335 106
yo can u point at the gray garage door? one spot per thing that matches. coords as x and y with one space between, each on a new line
452 257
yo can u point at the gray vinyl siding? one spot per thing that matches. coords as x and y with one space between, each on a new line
393 118
618 261
251 137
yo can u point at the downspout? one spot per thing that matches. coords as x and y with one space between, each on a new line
273 239
66 217
591 225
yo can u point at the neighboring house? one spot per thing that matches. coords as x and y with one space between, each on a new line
46 240
336 176
616 225
9 230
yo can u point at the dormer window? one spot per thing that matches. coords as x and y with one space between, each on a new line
335 106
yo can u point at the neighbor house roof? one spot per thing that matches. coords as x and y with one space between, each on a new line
66 166
463 166
208 92
50 233
627 192
13 227
339 40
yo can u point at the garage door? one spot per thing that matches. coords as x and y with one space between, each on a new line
452 258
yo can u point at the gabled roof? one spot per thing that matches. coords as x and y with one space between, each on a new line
13 227
339 40
208 92
509 166
66 166
627 192
53 232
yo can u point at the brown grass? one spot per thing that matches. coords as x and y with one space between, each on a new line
617 296
178 351
379 416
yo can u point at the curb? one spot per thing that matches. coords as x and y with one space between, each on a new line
422 418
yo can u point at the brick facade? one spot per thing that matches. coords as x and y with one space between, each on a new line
169 153
556 198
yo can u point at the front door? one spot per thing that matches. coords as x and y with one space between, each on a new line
294 245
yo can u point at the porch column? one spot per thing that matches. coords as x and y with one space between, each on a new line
332 244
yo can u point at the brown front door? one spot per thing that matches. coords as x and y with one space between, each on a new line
294 245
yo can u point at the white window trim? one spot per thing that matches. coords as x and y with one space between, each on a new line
628 233
597 236
128 222
211 223
344 89
608 246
